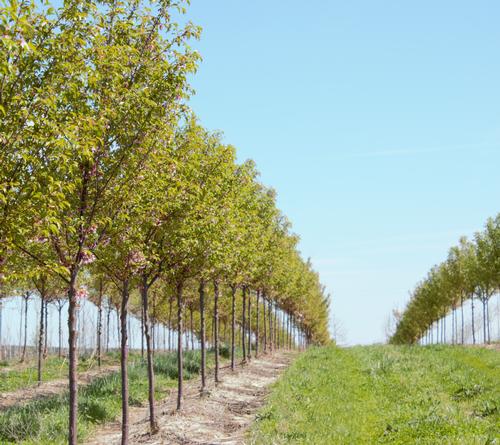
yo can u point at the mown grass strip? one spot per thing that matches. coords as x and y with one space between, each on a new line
385 394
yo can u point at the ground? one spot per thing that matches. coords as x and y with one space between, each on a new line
361 395
220 417
385 394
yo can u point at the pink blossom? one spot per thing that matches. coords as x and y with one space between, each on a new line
82 294
87 257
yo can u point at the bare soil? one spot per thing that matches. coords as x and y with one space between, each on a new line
222 416
50 388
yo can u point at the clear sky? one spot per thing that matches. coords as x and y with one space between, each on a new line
378 123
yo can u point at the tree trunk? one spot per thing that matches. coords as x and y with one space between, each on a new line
180 361
45 344
26 298
276 328
73 360
191 327
462 321
243 324
99 323
233 325
59 311
264 321
203 340
270 317
108 319
257 327
473 329
483 302
142 331
151 377
170 324
216 330
488 320
40 338
124 362
249 352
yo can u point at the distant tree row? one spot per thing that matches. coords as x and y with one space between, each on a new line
109 187
471 272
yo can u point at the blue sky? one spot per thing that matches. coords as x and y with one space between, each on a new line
378 123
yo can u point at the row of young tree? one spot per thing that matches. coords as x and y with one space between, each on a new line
470 273
110 188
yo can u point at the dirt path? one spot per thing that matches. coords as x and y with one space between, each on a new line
221 417
52 387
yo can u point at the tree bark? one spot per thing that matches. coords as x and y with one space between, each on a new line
59 311
243 324
73 360
45 344
180 361
264 321
216 330
26 298
203 340
191 327
270 318
124 362
170 324
249 352
99 323
257 327
233 325
142 331
40 338
483 301
473 327
151 377
108 319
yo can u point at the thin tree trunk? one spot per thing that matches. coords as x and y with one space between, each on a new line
249 352
203 340
170 324
270 317
59 310
462 311
473 328
264 321
73 360
257 327
483 301
40 338
243 324
180 361
45 344
216 330
108 320
99 323
142 331
151 376
124 362
233 325
276 328
191 327
488 319
26 298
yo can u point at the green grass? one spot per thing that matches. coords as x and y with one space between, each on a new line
385 395
21 375
45 421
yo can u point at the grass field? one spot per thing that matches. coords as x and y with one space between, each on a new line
385 395
44 421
